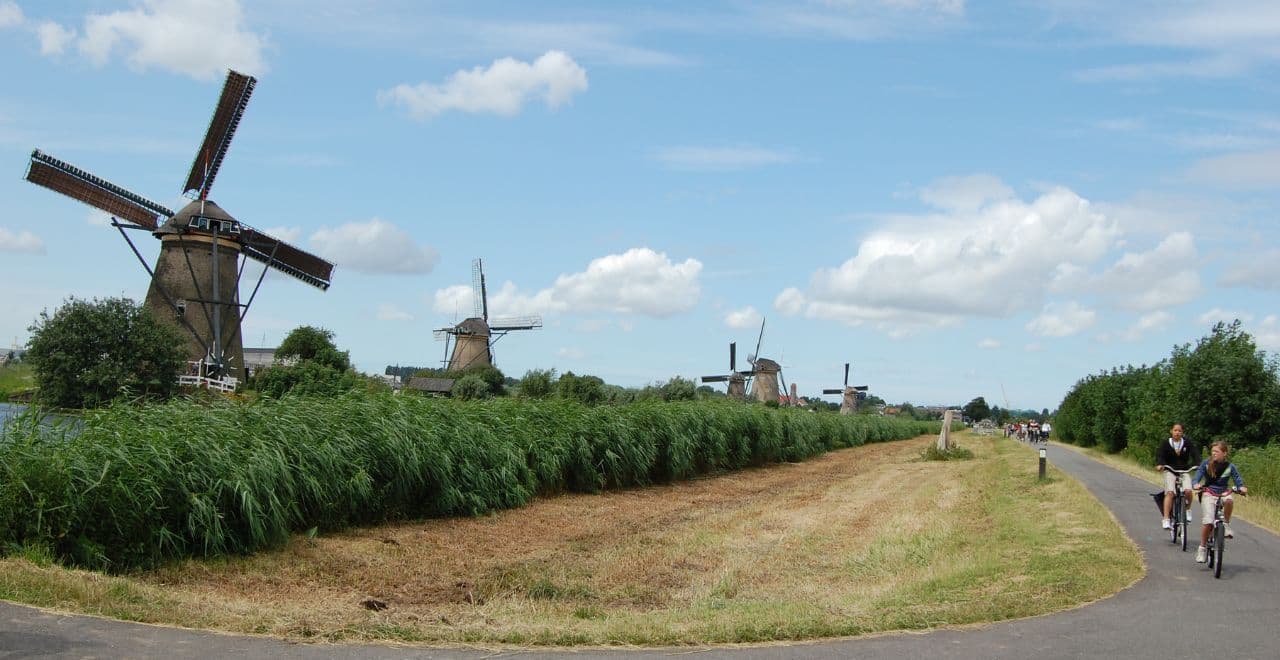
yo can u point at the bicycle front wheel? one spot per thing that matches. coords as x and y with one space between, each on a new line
1220 540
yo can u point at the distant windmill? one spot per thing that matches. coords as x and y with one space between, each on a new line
762 379
737 381
473 338
849 402
196 280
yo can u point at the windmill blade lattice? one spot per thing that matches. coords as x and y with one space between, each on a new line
222 127
65 178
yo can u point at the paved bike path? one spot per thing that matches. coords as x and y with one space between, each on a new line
1175 611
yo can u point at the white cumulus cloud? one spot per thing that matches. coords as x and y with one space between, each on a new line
1267 334
1146 324
746 317
639 281
1260 270
54 38
376 246
196 38
503 88
21 242
10 14
986 253
989 343
1162 277
1061 320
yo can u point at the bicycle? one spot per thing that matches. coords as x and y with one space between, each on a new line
1217 546
1178 512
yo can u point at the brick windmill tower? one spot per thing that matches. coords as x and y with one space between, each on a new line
195 283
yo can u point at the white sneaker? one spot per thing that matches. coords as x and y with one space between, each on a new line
1202 555
1166 524
1227 529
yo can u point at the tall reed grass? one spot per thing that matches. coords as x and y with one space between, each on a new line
135 486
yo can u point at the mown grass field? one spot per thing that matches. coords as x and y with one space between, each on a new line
856 541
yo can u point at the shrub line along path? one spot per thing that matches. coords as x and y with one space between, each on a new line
1177 607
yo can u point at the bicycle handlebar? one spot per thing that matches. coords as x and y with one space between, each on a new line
1176 470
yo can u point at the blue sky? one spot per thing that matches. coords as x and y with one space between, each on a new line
960 198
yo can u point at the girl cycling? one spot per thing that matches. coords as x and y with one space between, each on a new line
1217 473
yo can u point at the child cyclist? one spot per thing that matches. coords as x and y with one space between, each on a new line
1217 475
1180 454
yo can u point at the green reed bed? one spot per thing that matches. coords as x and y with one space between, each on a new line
133 486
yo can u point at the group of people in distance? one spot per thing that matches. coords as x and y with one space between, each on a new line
1212 478
1032 431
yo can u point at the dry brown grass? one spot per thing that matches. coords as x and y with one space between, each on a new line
860 540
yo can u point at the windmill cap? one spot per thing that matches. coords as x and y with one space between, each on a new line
473 326
765 364
178 223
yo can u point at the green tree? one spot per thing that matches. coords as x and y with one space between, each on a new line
586 389
538 383
316 344
1225 388
678 389
88 353
977 409
318 367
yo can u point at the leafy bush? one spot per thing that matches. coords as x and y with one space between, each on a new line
470 386
89 353
957 453
538 383
1260 467
583 389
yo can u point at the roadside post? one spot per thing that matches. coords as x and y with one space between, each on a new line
1044 453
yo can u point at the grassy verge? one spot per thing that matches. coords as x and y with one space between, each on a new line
15 378
1258 509
857 541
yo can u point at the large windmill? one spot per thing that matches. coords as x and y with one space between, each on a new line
473 338
196 280
850 395
737 381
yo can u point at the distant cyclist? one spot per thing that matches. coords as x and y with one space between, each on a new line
1180 454
1217 474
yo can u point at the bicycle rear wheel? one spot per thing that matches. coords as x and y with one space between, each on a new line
1182 520
1219 540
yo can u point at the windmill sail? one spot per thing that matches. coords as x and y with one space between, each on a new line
222 127
62 177
286 258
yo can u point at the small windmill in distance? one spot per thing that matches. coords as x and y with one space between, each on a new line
737 380
849 401
474 337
